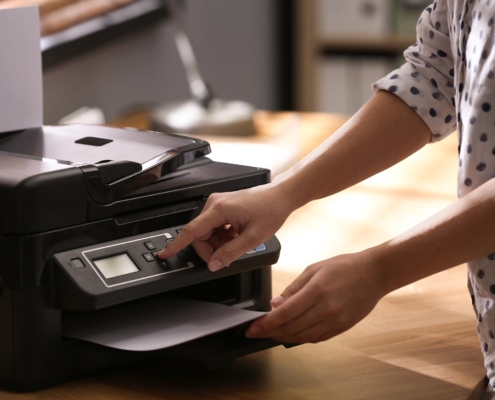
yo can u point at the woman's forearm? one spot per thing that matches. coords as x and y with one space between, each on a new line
462 232
382 133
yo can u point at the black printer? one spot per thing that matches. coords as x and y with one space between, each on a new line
72 196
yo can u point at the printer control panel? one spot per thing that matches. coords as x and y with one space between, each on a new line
128 268
134 260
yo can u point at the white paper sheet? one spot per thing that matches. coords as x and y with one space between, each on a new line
21 90
156 324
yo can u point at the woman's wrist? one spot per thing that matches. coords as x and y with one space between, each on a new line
286 193
368 262
400 262
289 192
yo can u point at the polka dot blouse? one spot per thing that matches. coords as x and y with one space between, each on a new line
449 80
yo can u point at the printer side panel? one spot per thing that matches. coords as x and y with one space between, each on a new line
6 336
37 340
29 337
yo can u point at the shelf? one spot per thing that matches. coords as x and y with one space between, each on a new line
379 46
314 46
88 35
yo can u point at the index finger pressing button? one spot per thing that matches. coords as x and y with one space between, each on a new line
163 263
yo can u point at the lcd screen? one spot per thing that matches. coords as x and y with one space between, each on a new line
116 266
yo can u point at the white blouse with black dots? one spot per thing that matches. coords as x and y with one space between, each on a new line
449 80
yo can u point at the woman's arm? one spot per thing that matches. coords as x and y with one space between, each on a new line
385 131
333 295
462 232
381 134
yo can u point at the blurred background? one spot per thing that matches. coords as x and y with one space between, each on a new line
308 55
349 45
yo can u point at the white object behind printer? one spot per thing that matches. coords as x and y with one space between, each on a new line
21 87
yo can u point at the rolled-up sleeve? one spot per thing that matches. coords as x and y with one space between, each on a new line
426 81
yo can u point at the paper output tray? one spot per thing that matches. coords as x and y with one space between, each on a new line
221 349
156 324
213 352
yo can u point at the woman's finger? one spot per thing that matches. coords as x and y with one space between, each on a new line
203 249
289 311
295 286
195 229
298 324
233 249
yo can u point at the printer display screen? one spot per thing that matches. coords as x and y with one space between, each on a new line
116 266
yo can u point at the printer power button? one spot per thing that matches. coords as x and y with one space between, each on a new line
76 262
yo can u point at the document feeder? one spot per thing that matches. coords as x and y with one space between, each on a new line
84 209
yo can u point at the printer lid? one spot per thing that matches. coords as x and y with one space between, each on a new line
115 161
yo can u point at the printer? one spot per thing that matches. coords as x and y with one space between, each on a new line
74 197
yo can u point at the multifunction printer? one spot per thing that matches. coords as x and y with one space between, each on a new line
83 211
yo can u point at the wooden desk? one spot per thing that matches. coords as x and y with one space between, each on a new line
314 127
419 343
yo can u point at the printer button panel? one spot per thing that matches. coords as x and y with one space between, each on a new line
146 265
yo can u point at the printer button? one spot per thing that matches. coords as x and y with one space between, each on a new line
261 247
76 262
162 263
183 256
148 257
150 245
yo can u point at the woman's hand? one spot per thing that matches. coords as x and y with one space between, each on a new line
232 224
327 299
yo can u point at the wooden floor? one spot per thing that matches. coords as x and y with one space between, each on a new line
419 343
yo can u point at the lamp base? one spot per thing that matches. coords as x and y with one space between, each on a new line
221 118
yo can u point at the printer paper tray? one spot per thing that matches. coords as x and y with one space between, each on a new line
156 324
221 349
159 323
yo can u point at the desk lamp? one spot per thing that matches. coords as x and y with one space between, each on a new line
204 114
